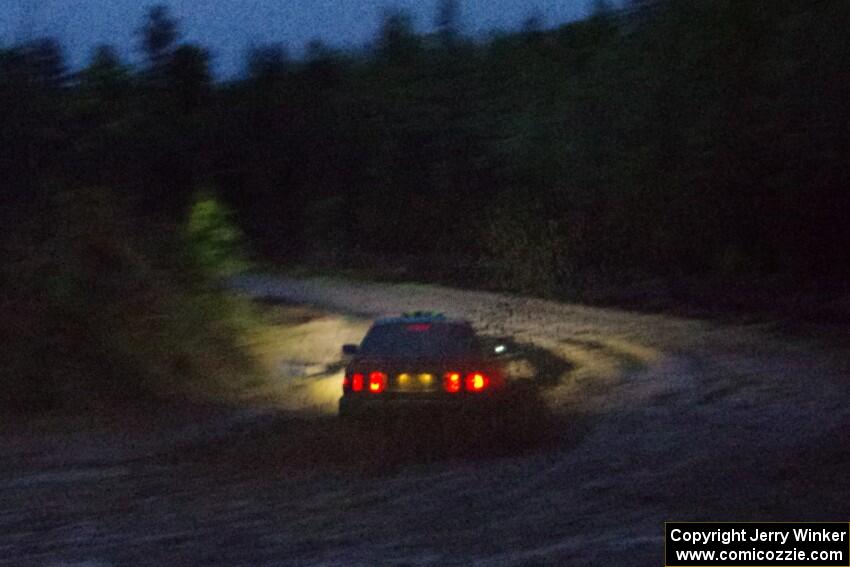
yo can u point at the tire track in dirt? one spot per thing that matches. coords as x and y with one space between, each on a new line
658 418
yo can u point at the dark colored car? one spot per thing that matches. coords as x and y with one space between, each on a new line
421 361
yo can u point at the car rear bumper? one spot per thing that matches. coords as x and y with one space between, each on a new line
351 406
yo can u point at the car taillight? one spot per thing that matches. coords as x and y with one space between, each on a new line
476 382
357 382
377 382
452 382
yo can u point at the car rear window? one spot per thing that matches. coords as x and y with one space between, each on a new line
419 339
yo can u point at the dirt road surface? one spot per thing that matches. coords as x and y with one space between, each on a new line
654 419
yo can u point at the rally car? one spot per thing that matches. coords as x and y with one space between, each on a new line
421 360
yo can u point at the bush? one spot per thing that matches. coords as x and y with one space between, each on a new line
530 252
214 241
99 308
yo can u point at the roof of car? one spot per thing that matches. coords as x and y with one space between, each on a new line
419 317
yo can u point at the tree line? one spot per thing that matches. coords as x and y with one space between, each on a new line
671 138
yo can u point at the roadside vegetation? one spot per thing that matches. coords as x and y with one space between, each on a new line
669 150
101 306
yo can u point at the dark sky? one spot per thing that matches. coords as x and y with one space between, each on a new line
226 27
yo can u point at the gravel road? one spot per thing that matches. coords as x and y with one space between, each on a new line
655 419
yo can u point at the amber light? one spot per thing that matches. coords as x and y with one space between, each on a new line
452 382
476 382
357 382
377 382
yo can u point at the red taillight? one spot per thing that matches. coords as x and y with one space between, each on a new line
476 382
357 382
377 382
419 327
451 382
